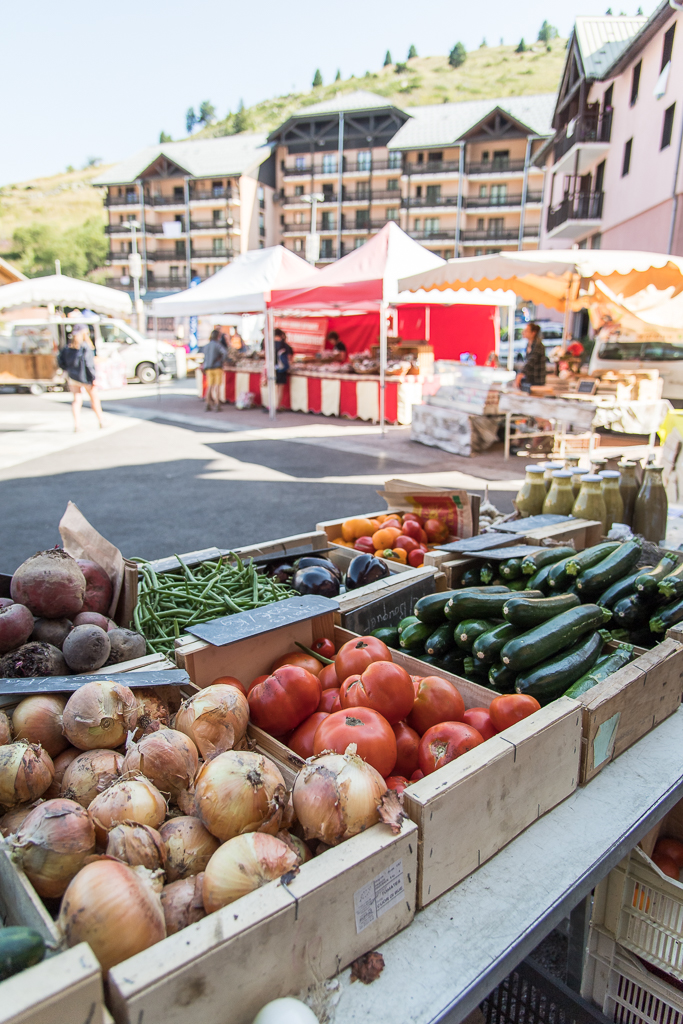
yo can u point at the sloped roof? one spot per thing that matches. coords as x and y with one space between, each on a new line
442 124
9 274
652 25
201 158
361 99
602 40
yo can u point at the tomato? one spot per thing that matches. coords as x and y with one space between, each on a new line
372 734
437 532
406 543
284 699
259 679
301 740
301 660
383 686
407 742
480 719
397 782
324 647
436 700
392 523
412 515
355 656
231 681
328 677
416 776
511 708
354 528
670 848
328 699
364 544
443 743
666 865
412 529
385 537
416 558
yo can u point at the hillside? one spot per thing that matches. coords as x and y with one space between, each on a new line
63 201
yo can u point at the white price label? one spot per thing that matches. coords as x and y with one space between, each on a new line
381 894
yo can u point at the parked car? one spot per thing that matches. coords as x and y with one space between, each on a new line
629 356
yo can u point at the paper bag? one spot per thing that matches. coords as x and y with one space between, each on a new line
81 540
452 507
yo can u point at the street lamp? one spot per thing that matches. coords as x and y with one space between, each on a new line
313 238
135 270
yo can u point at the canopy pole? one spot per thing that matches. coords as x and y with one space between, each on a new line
383 308
511 335
269 348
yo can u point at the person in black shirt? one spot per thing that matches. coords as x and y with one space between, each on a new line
78 362
533 371
283 353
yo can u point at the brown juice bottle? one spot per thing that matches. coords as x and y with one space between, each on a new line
628 488
652 507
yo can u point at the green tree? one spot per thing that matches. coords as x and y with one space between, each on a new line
483 44
387 59
207 112
412 52
317 79
80 249
165 137
546 32
240 120
400 68
457 56
337 77
522 48
190 120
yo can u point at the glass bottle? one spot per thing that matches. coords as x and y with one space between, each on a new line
613 500
578 474
651 507
628 488
548 469
598 464
590 503
559 500
571 461
530 498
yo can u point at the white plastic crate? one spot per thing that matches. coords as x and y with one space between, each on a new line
620 985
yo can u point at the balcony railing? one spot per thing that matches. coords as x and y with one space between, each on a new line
417 202
211 254
348 227
499 235
495 167
214 193
480 202
359 198
589 127
437 233
130 199
432 167
350 166
579 206
211 225
124 229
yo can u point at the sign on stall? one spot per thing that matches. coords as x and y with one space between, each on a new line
305 334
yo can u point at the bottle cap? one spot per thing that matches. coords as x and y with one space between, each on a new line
610 474
562 474
579 470
552 465
534 469
592 478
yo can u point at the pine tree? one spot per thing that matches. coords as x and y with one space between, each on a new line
546 32
387 59
337 77
239 123
457 56
412 52
483 44
317 78
522 46
207 112
190 120
164 137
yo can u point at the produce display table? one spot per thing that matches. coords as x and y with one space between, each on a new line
462 945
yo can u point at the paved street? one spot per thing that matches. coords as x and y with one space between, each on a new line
166 476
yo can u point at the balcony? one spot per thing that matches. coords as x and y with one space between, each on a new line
482 202
576 214
214 193
348 228
212 226
175 200
496 167
420 202
358 199
211 254
124 229
130 199
433 236
489 237
591 133
433 167
350 167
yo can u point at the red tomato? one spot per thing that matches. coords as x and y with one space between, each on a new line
412 529
670 848
437 532
301 740
443 743
328 699
393 522
259 679
436 700
324 647
328 677
365 545
666 865
480 719
355 656
383 686
416 776
412 515
407 742
397 782
372 734
230 681
511 708
301 660
416 558
407 543
284 699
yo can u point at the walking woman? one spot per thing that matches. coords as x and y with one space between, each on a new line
78 362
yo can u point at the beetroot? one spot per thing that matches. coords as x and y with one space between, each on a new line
50 584
16 626
125 646
98 587
52 631
35 659
111 625
5 602
86 648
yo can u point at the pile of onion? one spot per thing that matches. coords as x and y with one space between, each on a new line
188 845
137 844
242 865
38 719
26 771
99 715
336 796
215 719
11 821
53 843
90 773
114 908
183 903
5 729
135 800
166 757
151 709
240 791
61 763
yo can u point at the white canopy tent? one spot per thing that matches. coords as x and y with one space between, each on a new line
60 290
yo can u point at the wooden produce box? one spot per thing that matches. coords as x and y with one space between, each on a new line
332 527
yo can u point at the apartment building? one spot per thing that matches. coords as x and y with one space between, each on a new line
458 177
197 204
613 163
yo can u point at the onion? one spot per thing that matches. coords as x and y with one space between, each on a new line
183 903
114 908
89 774
52 845
151 709
99 715
297 845
11 821
240 791
26 771
137 844
61 763
39 720
215 718
189 847
134 800
166 757
336 796
242 865
187 802
285 1011
5 729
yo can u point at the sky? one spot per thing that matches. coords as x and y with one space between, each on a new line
91 79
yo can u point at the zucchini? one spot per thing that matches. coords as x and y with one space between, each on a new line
589 557
518 585
488 646
474 672
672 585
413 637
512 569
632 611
551 637
539 581
486 573
622 588
609 570
502 678
452 662
642 638
550 679
409 620
430 609
666 617
620 636
478 604
467 631
388 635
428 659
440 642
470 578
649 579
525 612
557 578
545 556
19 948
604 668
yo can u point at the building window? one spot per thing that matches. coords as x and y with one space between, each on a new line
298 190
300 163
362 219
328 193
482 191
667 49
583 244
298 218
420 158
364 160
394 160
433 193
418 224
431 225
596 241
327 220
218 245
326 252
635 82
357 242
282 220
501 159
626 163
362 190
392 185
485 156
668 126
329 163
217 188
261 196
392 214
298 244
179 193
478 252
261 225
174 273
436 157
480 223
418 192
496 226
499 195
218 217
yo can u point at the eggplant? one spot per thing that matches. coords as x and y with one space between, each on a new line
306 561
315 579
365 569
282 572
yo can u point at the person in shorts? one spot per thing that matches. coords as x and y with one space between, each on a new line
215 358
283 353
78 362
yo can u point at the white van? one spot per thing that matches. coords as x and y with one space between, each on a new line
624 356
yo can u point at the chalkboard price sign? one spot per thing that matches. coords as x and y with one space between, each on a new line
387 610
67 684
230 628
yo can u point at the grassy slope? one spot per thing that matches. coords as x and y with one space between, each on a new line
62 200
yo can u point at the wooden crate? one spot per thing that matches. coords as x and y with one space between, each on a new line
332 527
